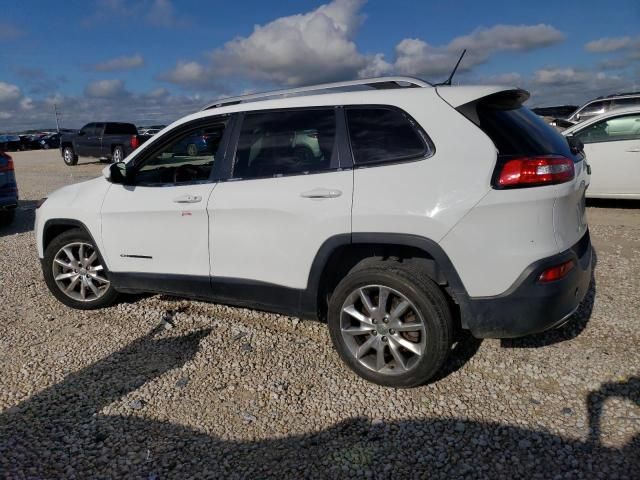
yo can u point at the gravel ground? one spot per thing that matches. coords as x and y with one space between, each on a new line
160 387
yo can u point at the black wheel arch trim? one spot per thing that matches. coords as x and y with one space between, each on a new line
71 222
443 272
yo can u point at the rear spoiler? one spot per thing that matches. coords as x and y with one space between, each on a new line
458 96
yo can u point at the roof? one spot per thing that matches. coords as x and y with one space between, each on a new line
377 83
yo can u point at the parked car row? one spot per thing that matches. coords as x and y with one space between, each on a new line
36 141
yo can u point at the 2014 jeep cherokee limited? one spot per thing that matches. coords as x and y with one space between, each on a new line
395 210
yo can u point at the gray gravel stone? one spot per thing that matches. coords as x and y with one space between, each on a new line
70 381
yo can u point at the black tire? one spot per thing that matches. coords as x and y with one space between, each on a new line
430 303
110 295
7 217
117 155
69 156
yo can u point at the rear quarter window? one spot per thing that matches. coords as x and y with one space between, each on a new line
516 131
120 129
380 135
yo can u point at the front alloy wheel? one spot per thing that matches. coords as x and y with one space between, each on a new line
78 272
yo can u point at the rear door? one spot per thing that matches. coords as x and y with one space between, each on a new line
95 142
613 150
286 197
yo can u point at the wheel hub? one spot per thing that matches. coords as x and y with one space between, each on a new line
78 272
382 329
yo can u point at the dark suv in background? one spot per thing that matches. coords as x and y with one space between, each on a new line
104 140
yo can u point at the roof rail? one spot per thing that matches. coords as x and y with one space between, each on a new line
376 83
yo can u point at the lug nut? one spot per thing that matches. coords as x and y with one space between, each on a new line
384 339
374 332
374 320
391 331
385 319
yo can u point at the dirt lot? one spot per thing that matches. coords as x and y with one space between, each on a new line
220 391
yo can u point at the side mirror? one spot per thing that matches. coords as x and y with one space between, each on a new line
81 133
116 172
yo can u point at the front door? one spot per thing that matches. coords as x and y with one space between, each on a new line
155 229
84 138
286 198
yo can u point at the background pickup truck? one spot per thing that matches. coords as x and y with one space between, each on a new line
107 141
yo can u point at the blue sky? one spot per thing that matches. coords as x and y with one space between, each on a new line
155 60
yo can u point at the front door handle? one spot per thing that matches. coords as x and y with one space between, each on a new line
321 193
634 150
188 199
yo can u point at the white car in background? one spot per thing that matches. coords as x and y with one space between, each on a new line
612 145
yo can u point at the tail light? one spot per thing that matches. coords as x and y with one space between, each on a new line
534 171
556 272
6 163
135 143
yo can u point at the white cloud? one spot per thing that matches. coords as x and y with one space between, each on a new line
416 57
186 73
320 46
298 49
571 85
9 93
161 13
606 45
106 89
120 63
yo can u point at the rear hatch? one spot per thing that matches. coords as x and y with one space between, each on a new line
531 154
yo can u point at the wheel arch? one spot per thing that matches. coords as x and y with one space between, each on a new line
339 254
57 226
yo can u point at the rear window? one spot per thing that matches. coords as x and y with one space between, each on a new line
515 130
383 135
120 129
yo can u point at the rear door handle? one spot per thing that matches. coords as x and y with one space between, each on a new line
634 150
321 193
188 199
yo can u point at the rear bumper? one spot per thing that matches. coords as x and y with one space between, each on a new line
530 307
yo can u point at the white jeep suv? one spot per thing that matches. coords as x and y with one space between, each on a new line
392 209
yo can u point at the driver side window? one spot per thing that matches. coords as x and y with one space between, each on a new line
187 158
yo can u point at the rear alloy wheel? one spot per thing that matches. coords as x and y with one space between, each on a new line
69 157
75 272
390 323
388 337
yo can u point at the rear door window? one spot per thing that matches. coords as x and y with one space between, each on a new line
120 129
285 143
381 134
